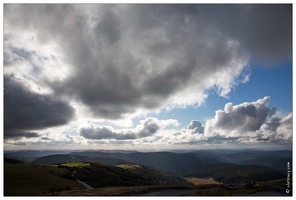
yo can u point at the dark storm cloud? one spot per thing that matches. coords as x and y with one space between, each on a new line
16 134
265 30
271 32
129 57
147 128
108 28
26 110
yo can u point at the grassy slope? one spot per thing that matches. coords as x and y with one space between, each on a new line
100 175
173 162
201 190
118 191
30 180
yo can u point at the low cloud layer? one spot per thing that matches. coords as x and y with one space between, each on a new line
235 125
249 122
146 128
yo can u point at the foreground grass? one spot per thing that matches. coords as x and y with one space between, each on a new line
118 191
37 180
278 182
200 190
31 180
225 190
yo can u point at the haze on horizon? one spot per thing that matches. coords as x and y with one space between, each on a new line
147 76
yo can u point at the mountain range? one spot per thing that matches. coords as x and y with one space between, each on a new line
171 161
103 169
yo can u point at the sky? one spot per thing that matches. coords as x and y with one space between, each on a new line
147 76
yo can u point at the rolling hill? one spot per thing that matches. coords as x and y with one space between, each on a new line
13 161
173 162
233 173
101 175
272 159
107 169
269 161
178 162
33 179
63 158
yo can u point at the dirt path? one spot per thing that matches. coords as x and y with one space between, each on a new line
83 183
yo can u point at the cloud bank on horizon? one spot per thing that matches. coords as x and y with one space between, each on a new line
68 69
